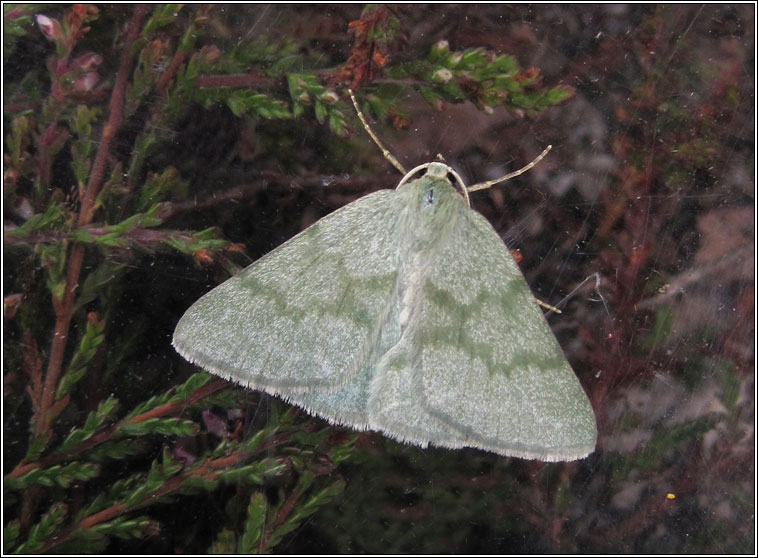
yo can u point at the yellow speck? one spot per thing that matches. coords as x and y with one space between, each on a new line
670 495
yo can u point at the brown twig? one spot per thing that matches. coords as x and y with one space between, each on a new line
234 80
137 235
63 314
115 107
23 468
269 180
206 470
170 72
64 308
281 516
167 408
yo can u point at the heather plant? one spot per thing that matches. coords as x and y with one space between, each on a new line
106 430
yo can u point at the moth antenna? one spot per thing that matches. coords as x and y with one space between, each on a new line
522 170
462 184
407 176
385 151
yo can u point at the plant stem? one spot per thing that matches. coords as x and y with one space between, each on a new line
167 408
205 470
115 108
64 309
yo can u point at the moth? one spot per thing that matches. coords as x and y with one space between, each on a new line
401 312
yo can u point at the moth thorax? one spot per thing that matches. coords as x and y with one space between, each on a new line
438 170
409 293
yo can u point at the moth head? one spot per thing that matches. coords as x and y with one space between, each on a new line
436 184
438 170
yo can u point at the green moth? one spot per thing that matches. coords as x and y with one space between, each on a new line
401 312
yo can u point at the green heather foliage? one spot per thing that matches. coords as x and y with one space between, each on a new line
139 139
99 127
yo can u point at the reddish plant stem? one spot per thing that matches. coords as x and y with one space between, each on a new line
63 312
138 235
168 408
115 108
281 516
234 80
105 435
64 308
15 12
170 73
207 471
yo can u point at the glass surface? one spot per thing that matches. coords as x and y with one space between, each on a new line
639 224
